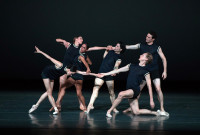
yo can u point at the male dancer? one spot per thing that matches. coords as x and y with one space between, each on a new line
111 61
136 73
153 68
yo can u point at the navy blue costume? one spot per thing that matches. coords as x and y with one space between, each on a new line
108 64
53 73
153 68
80 66
71 53
135 77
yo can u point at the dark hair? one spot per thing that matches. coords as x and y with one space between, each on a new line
149 57
153 33
122 46
86 45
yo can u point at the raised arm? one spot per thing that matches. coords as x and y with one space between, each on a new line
148 80
133 47
85 63
65 43
123 69
164 60
56 62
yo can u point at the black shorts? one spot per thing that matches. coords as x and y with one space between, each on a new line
52 73
77 76
154 74
136 93
107 78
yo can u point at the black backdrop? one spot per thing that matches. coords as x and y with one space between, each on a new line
25 24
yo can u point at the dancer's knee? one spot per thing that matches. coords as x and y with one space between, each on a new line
121 95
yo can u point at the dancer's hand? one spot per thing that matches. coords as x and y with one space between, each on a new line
164 75
88 70
37 50
109 47
152 104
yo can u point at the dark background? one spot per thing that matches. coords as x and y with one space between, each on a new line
25 24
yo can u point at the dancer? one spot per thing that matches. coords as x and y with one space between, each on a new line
153 68
72 52
49 74
111 61
136 73
77 79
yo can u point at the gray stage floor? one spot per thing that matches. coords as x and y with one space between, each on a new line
184 109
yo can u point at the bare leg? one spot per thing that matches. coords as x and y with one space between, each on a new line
42 97
135 108
48 83
97 85
110 85
141 88
81 98
123 94
64 84
157 85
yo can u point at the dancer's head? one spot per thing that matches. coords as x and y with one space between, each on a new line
84 48
78 39
120 47
147 57
151 37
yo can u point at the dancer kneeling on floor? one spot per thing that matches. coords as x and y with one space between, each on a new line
136 74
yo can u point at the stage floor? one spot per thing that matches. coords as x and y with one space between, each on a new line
184 110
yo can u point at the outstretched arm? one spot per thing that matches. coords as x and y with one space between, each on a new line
84 73
148 80
164 60
123 69
133 47
96 48
57 63
65 43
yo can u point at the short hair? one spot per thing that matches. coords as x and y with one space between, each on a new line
75 38
153 33
122 46
149 57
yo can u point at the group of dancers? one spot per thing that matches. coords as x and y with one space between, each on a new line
76 64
